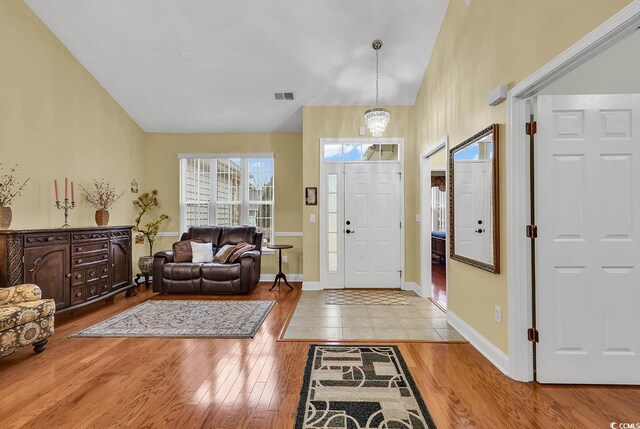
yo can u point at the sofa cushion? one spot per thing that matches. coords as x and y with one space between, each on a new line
210 234
202 252
224 253
236 234
181 271
182 250
240 248
24 312
216 271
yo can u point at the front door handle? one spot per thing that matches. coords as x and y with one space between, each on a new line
350 232
479 231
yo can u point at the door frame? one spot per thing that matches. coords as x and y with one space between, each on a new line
425 214
322 206
617 27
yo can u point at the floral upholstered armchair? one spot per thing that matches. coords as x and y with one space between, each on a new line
25 318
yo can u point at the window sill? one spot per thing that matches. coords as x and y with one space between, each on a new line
266 251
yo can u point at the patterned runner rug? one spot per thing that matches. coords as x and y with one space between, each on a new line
366 297
185 319
360 387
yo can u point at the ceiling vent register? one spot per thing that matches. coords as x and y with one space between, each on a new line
283 96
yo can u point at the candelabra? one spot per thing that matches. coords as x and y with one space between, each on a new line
66 206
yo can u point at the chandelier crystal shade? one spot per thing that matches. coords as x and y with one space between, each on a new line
377 119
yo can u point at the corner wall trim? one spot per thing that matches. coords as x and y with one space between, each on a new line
168 234
288 234
312 286
496 356
413 286
290 277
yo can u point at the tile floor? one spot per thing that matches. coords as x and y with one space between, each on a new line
420 320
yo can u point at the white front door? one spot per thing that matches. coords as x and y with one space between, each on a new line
372 225
472 209
587 177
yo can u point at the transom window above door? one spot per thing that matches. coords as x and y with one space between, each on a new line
361 152
228 190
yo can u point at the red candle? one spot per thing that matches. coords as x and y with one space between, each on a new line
66 188
55 187
73 197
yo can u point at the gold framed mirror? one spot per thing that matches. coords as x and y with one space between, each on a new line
474 203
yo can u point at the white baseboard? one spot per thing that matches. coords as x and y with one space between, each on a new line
290 277
312 286
413 286
484 346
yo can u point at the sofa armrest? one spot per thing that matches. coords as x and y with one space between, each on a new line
253 254
20 293
166 254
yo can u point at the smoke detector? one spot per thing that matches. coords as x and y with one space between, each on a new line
283 96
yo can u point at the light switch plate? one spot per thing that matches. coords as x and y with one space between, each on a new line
312 218
284 259
498 315
418 218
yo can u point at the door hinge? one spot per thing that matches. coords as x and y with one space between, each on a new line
400 224
400 272
400 175
533 335
531 128
532 231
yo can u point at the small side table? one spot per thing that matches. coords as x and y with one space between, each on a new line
280 276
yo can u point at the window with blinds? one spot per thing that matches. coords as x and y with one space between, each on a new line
238 190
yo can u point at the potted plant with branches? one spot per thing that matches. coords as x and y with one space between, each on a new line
102 197
10 187
146 204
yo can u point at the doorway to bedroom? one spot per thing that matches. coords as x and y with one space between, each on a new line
433 223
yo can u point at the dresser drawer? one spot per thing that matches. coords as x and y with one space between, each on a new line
96 272
32 240
104 288
88 248
92 290
77 278
77 295
80 260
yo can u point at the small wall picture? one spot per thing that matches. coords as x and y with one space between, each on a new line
311 196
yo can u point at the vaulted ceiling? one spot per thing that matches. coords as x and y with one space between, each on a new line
213 65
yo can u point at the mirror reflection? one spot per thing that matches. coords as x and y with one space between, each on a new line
473 200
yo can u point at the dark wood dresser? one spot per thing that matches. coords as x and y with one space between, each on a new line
74 266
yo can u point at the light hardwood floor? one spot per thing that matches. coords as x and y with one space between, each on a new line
254 383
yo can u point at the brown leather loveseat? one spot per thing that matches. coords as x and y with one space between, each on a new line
212 277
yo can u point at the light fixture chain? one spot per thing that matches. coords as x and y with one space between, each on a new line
377 77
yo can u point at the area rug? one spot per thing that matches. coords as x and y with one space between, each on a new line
360 387
185 319
366 297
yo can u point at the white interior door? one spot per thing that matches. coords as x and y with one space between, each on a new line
472 209
588 248
372 225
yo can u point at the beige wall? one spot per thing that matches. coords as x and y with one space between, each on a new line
479 47
438 160
57 121
344 122
161 170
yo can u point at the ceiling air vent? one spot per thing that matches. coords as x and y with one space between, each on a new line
283 96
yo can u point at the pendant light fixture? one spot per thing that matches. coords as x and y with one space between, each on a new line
377 118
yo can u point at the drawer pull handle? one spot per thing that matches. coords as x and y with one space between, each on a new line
104 270
92 273
92 291
104 256
78 276
113 265
78 295
79 261
104 246
68 275
78 249
105 287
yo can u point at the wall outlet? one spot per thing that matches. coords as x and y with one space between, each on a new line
284 259
417 218
498 314
312 218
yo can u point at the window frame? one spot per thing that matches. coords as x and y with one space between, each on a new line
245 203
